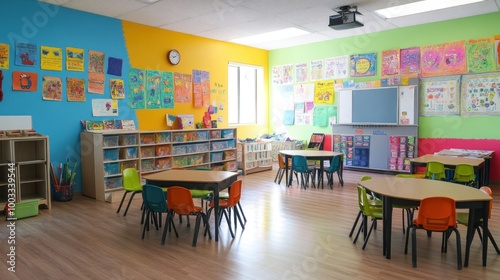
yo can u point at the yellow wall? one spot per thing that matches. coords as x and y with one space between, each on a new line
147 49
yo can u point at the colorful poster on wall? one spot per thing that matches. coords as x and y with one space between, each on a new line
117 88
440 96
480 55
167 90
480 94
317 67
288 117
277 75
75 59
390 62
4 56
301 73
362 65
324 92
288 74
51 58
26 54
51 88
303 92
182 88
96 62
153 94
336 67
201 88
136 80
96 82
443 59
410 60
322 114
104 107
75 89
24 81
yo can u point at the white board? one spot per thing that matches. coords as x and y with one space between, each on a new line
15 122
345 107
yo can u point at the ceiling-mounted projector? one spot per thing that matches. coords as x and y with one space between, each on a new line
346 18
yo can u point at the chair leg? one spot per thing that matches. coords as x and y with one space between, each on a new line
228 220
355 223
368 235
146 225
363 221
128 204
241 211
459 249
170 216
197 228
121 202
414 246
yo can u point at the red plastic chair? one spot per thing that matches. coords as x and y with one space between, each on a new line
180 201
436 214
230 206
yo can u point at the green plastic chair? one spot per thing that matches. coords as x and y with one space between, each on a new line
464 174
409 210
369 211
435 171
131 184
373 201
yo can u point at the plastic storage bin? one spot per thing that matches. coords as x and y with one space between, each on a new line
111 154
25 209
110 141
128 140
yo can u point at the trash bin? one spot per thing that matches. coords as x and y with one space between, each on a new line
62 193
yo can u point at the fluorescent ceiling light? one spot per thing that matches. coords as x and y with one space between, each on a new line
271 36
421 7
148 1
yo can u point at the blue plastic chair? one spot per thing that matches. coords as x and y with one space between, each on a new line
300 166
155 203
334 167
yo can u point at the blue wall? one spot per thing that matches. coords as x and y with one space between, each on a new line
43 24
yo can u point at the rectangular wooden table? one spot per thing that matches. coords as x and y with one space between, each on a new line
312 155
452 162
410 191
196 179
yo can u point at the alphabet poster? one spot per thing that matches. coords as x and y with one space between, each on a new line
481 94
440 96
443 59
363 64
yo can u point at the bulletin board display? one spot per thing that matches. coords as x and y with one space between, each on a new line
440 96
480 94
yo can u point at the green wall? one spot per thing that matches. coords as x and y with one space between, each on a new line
421 35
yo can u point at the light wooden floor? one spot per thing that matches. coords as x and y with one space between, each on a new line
290 234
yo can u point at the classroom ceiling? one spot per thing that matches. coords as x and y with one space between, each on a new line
226 20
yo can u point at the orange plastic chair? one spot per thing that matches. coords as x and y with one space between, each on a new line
282 168
463 219
436 214
229 205
180 201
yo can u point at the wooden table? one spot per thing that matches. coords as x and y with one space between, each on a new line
410 191
312 155
452 162
196 179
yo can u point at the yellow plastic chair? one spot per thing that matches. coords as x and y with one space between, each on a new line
409 210
373 201
131 184
435 171
464 174
369 211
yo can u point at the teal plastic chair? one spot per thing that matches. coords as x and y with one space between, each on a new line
369 212
464 174
155 203
131 184
300 166
333 168
435 171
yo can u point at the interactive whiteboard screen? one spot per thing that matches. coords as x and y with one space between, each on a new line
378 105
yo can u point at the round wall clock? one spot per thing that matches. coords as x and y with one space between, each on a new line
174 57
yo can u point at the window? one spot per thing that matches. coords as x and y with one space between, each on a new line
245 85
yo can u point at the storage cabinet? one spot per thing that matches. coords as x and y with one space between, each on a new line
255 157
106 153
26 161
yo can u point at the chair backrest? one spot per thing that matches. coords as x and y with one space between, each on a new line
464 173
234 193
366 177
437 213
154 198
435 171
405 176
180 200
488 191
363 202
281 161
131 180
334 164
299 164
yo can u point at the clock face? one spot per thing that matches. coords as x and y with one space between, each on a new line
174 57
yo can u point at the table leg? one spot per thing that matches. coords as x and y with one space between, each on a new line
387 226
486 208
287 180
216 212
341 172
